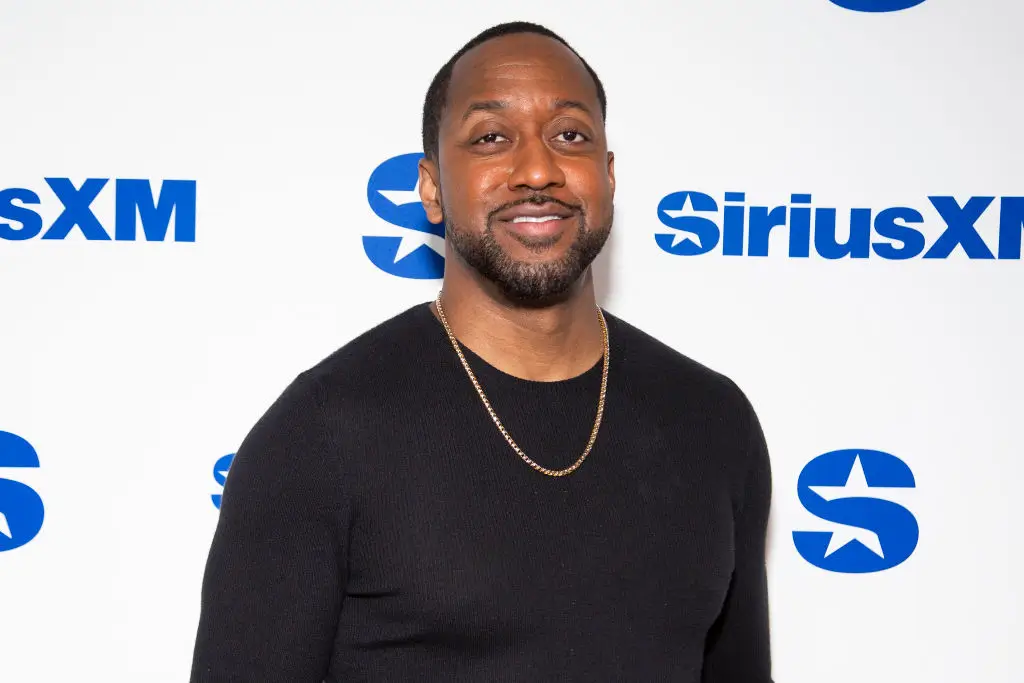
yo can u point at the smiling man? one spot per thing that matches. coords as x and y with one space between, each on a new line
506 484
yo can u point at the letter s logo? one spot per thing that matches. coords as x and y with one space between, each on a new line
855 495
877 5
694 234
220 475
21 508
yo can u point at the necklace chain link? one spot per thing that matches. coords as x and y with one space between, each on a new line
494 416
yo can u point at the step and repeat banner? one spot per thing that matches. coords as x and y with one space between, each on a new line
822 199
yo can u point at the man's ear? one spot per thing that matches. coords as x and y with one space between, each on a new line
611 170
430 190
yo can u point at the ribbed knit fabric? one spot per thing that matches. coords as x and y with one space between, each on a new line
376 526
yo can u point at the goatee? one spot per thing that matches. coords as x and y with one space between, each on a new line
522 281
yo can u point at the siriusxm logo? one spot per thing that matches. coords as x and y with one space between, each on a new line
877 5
134 203
220 475
415 247
699 225
855 493
21 508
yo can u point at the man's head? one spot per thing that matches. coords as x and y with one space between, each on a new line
517 163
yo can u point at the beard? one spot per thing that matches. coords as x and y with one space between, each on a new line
523 281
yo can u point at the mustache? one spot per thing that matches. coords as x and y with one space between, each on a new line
535 199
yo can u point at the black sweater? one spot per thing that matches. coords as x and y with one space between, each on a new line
376 526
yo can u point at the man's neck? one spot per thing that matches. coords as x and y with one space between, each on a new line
545 344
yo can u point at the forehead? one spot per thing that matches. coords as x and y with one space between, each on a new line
520 66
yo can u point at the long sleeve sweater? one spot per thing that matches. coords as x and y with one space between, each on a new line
376 526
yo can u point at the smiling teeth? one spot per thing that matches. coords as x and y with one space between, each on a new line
535 219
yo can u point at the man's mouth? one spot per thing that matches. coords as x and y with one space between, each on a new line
536 219
533 222
535 213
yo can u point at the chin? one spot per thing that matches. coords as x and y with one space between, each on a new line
548 257
538 250
536 299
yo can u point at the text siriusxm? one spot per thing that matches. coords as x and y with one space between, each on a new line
134 202
699 225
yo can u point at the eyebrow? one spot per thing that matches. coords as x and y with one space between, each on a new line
498 105
573 104
484 105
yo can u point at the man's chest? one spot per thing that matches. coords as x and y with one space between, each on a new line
460 539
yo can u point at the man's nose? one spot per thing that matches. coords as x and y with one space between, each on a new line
535 166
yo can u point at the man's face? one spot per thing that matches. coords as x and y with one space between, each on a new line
524 179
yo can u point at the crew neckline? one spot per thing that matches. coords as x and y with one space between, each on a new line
482 367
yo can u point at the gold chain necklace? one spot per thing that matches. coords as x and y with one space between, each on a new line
494 416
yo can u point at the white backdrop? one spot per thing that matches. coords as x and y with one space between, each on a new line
132 367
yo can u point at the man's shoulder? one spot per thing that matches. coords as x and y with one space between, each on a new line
385 350
655 366
371 374
674 394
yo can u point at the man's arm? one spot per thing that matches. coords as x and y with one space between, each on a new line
276 572
738 645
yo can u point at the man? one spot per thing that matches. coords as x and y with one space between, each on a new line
506 484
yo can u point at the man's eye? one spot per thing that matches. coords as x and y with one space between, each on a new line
572 136
491 138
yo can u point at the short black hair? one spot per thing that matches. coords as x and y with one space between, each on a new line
437 93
